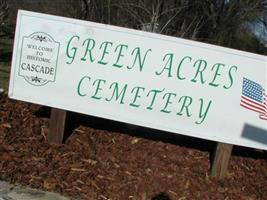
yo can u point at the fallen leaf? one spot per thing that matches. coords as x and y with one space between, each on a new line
134 141
50 184
6 125
90 161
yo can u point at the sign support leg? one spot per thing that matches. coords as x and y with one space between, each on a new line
221 160
57 126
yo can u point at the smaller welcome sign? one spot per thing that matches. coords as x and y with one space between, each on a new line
156 81
38 61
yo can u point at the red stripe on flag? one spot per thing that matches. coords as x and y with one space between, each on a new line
249 108
264 117
253 102
252 106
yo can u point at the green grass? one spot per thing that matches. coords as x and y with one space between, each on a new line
5 61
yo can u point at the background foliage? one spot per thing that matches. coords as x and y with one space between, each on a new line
238 24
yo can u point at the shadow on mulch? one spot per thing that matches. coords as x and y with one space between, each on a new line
161 196
74 120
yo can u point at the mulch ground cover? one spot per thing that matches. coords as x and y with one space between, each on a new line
102 159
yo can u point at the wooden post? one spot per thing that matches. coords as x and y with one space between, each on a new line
57 125
221 160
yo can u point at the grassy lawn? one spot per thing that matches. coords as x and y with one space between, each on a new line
5 61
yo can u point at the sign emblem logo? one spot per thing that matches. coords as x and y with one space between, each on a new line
39 58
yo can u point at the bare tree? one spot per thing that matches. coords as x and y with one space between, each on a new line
4 8
223 22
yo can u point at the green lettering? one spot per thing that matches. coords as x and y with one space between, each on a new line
79 85
90 45
73 49
168 65
141 61
136 96
120 54
105 45
187 101
230 77
201 66
98 83
218 66
179 67
168 101
203 114
154 93
116 92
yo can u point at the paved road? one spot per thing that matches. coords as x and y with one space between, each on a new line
11 192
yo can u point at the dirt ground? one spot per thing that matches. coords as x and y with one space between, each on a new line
103 159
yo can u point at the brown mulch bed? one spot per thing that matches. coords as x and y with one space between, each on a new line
104 160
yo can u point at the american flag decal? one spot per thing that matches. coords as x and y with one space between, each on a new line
254 98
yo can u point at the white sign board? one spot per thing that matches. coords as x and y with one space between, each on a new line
142 78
